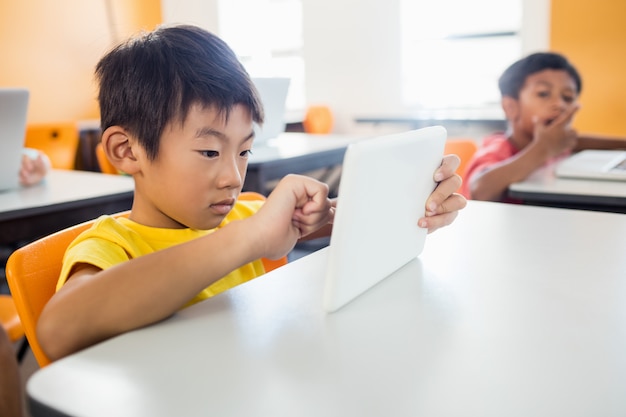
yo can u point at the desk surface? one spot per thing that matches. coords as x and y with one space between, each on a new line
538 329
544 188
63 199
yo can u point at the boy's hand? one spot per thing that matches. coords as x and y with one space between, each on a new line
557 136
444 203
32 171
298 206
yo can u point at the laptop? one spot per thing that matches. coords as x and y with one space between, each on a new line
13 110
273 94
385 182
594 165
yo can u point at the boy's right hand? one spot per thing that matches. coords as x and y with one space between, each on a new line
298 206
557 136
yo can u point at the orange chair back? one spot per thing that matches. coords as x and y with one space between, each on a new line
464 148
9 318
106 167
57 140
32 273
33 270
318 119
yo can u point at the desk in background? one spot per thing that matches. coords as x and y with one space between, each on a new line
537 329
64 198
293 153
489 119
543 188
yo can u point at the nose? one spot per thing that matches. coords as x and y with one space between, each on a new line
560 103
231 173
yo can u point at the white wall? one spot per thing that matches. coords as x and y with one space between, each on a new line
352 50
201 13
352 55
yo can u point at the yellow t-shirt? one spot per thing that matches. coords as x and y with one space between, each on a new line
111 241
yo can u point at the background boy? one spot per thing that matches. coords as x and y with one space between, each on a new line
177 112
539 98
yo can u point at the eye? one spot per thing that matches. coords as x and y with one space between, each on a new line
210 154
568 99
543 94
246 153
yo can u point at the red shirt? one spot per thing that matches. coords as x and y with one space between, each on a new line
495 148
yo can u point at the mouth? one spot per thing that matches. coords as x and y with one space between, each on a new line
224 206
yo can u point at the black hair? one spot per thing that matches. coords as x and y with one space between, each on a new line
512 79
154 78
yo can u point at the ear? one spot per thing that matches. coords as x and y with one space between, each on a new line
118 146
510 107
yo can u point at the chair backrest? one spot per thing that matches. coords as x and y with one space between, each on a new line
318 119
33 271
57 140
464 148
10 319
105 165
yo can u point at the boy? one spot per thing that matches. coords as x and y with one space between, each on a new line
539 98
177 112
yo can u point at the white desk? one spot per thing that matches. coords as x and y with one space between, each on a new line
544 188
512 311
63 199
294 153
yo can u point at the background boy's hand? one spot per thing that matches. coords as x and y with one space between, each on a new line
444 203
557 136
32 171
298 206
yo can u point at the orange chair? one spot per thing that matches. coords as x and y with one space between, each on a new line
464 148
106 167
10 321
318 119
33 270
57 140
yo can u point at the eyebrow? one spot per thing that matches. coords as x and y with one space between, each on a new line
549 84
209 131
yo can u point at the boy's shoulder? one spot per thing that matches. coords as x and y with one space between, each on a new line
495 139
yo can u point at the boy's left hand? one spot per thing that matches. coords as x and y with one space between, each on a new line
444 203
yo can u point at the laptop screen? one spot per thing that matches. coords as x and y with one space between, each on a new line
13 111
273 93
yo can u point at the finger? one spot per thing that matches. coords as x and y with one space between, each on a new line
448 167
314 198
566 117
309 224
439 221
442 192
27 164
454 202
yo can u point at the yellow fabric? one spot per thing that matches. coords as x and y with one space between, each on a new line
111 241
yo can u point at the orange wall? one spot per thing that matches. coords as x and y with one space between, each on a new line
593 36
52 47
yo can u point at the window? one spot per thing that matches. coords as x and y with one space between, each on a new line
453 51
267 38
